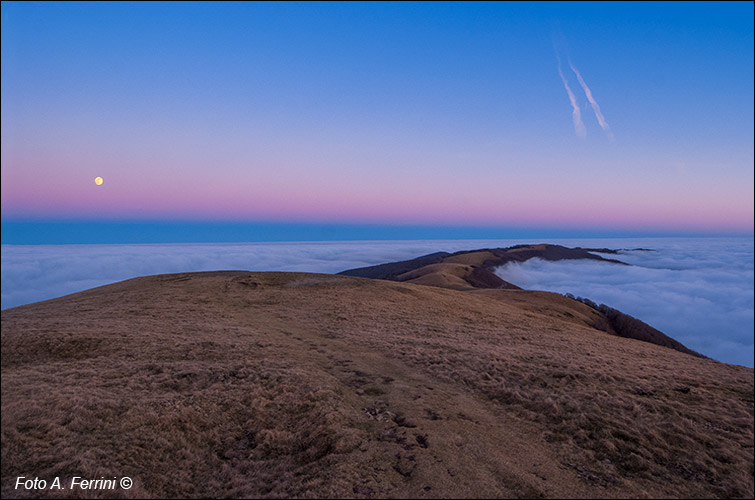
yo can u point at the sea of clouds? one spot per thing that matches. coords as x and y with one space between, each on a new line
699 291
31 273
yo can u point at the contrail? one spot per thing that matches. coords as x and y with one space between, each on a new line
579 127
593 103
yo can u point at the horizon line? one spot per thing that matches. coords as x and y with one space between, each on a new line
63 232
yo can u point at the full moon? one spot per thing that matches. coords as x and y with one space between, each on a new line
98 180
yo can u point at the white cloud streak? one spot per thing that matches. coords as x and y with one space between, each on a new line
579 127
595 107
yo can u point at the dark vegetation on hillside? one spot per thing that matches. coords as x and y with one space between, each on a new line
615 251
616 322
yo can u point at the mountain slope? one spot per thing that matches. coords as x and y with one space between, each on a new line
480 263
238 384
444 269
474 269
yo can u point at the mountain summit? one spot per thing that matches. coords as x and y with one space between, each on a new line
239 384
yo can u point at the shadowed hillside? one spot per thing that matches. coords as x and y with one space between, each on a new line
618 323
238 384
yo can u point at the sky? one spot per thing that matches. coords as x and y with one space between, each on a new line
699 291
514 118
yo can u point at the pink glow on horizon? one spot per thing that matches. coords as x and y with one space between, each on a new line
291 124
489 207
336 194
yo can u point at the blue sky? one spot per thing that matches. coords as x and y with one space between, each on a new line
442 115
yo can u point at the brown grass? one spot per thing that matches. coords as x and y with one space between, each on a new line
470 258
441 275
236 384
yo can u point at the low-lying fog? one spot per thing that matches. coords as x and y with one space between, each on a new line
697 290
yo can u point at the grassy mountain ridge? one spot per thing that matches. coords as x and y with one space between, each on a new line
484 259
238 384
470 269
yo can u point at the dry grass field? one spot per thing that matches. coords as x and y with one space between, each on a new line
238 384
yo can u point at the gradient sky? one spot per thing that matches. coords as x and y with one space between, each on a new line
450 114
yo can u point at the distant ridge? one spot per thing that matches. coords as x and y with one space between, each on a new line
390 270
473 269
481 263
